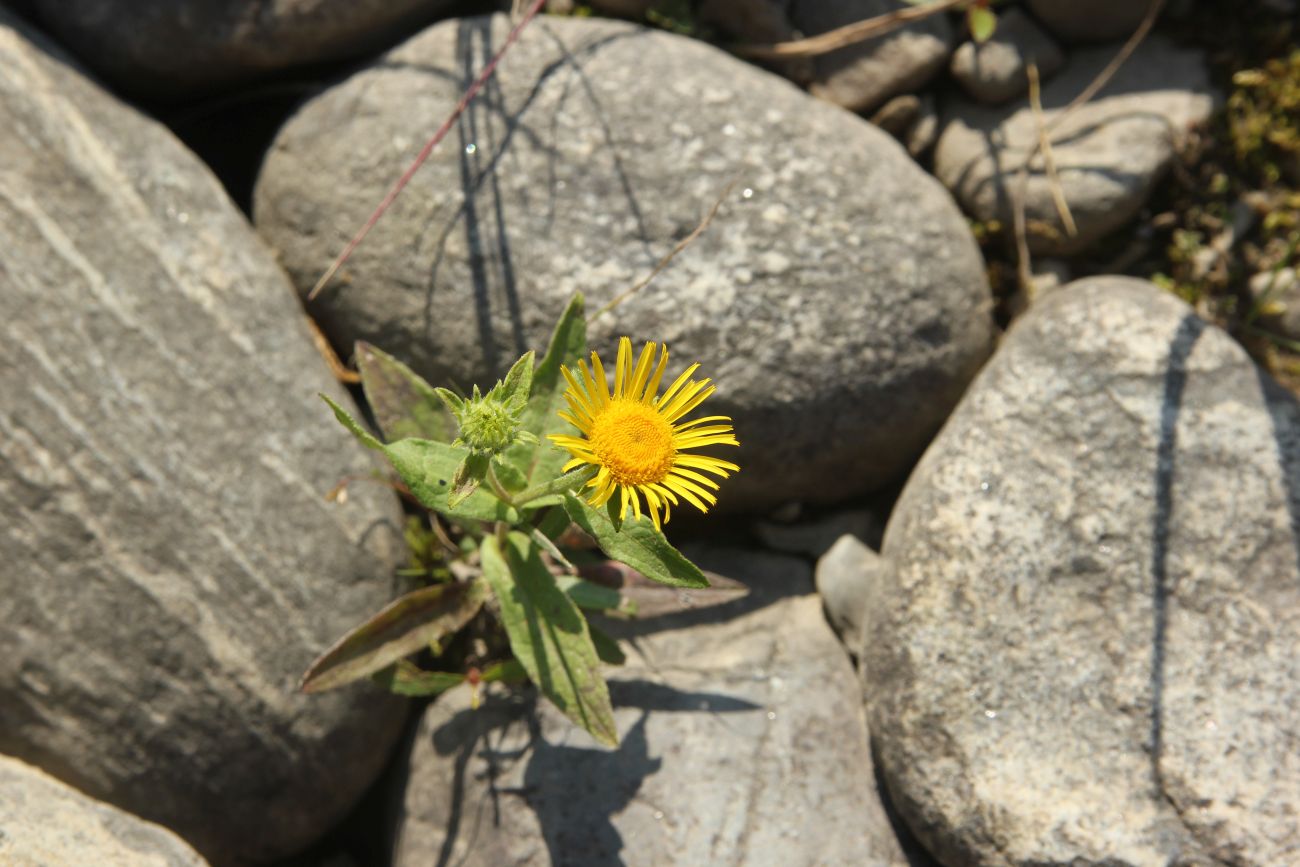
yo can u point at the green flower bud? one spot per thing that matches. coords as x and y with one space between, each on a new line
487 427
491 423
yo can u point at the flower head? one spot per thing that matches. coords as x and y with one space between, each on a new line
635 437
491 423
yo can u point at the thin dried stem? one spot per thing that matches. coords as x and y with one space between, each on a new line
340 370
846 35
663 263
1049 158
1023 265
423 155
1103 78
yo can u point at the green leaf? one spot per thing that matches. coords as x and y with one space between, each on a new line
638 544
514 389
554 523
465 481
607 648
543 461
345 418
548 634
428 467
587 595
983 22
509 476
403 403
406 678
509 671
401 628
453 403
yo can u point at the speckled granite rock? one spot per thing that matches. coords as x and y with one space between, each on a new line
996 71
839 327
1089 647
1090 20
171 566
863 75
742 743
1109 153
45 823
168 48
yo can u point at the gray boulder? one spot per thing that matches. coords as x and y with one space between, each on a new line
1086 644
997 70
168 48
1109 153
863 75
839 326
46 823
742 743
170 564
1091 20
813 538
846 578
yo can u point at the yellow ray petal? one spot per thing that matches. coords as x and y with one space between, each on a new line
677 383
653 385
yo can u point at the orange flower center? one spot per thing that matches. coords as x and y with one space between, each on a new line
634 442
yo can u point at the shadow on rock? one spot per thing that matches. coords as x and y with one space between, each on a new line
574 790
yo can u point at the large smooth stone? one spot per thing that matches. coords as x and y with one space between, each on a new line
742 742
1084 647
1109 153
45 823
170 564
170 48
1091 20
863 75
840 304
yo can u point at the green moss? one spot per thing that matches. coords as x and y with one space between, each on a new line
1263 115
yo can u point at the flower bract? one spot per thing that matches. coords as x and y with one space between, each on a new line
636 438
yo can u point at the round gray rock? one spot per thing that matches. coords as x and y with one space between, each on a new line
838 299
863 75
1088 651
1091 20
997 70
170 564
174 47
846 578
1109 153
45 823
742 742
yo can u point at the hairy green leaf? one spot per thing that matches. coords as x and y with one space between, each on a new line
403 403
509 475
468 476
513 391
509 671
406 678
428 468
607 648
638 544
587 595
542 461
548 634
401 628
365 437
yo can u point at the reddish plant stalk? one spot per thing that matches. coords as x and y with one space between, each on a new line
432 143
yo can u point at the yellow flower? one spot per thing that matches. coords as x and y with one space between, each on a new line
634 438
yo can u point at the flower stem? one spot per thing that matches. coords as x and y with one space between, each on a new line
566 482
499 489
